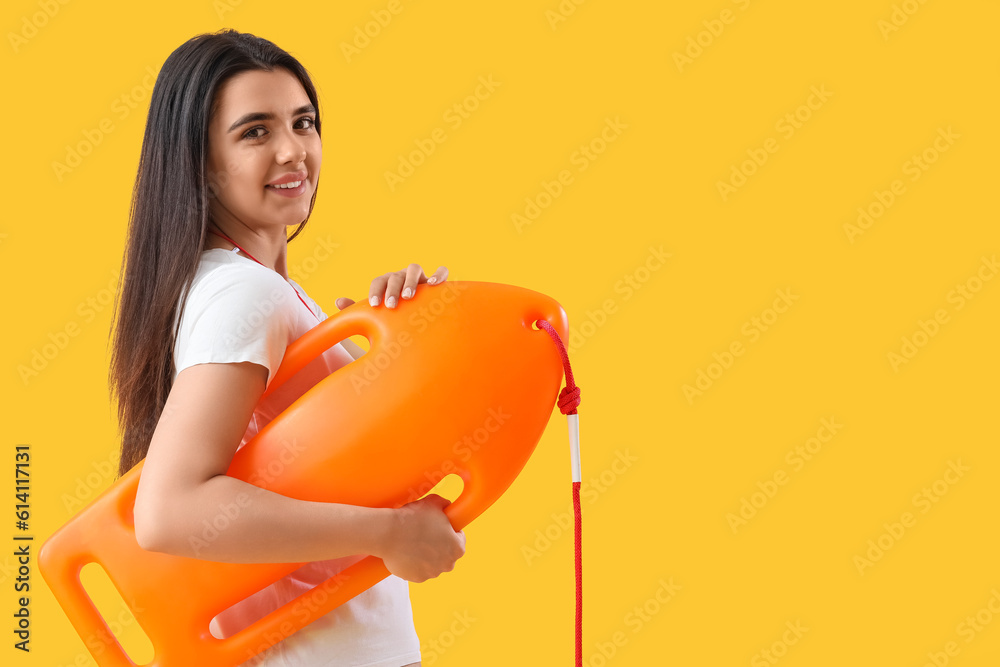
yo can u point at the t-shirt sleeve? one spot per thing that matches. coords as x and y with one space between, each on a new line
235 314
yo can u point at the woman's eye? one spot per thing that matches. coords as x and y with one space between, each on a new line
248 134
258 132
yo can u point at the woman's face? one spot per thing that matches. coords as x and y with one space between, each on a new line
262 134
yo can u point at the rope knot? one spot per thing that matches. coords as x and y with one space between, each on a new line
569 399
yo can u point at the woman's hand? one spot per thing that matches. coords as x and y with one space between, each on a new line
397 284
422 544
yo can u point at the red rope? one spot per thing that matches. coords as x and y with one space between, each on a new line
569 399
578 527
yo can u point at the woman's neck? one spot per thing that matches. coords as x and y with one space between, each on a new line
269 250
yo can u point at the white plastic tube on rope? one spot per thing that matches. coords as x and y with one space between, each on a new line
574 445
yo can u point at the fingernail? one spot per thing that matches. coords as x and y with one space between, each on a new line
373 300
432 280
407 293
391 302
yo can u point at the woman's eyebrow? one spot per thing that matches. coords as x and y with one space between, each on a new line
259 115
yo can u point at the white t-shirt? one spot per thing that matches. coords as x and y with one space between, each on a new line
238 310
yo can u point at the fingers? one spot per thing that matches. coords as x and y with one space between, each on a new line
402 284
435 499
414 276
388 284
343 302
393 287
378 288
427 545
439 276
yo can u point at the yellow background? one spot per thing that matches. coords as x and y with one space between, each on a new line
687 126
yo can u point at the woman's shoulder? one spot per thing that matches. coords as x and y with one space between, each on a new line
227 281
220 269
234 311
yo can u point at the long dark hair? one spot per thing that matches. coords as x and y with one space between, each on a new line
168 220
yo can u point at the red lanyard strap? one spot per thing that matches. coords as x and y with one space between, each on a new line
238 247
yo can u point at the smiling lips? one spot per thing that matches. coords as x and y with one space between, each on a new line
289 181
292 184
289 185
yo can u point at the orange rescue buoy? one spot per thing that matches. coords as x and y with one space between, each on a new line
371 433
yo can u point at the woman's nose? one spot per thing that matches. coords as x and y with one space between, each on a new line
291 149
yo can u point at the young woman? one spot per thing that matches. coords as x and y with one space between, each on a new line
230 162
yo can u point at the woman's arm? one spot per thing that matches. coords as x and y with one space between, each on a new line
183 490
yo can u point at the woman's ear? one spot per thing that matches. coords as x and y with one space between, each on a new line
211 186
